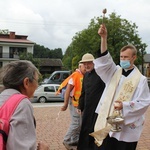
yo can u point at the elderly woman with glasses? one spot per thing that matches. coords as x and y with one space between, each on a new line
21 77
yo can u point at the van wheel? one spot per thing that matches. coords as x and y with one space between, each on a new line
42 99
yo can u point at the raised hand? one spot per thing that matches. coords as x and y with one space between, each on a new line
102 31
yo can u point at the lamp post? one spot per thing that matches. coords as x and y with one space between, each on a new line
142 61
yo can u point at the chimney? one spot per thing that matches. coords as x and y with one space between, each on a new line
12 35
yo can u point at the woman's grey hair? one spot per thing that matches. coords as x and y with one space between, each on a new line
13 74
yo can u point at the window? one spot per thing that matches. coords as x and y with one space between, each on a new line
15 51
1 64
49 89
57 87
65 75
56 76
1 51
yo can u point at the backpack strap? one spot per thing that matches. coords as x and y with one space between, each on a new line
7 110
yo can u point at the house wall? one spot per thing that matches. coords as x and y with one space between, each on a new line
10 46
6 46
6 52
147 68
30 49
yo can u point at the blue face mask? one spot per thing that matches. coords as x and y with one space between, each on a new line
125 64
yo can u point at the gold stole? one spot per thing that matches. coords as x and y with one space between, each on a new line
126 92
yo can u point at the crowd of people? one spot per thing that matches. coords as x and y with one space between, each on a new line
93 92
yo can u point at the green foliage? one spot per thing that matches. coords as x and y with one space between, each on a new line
5 31
29 56
120 33
42 52
56 53
35 61
67 59
75 62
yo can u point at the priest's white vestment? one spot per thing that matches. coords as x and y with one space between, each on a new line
133 111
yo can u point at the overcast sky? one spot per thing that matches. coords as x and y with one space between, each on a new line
53 23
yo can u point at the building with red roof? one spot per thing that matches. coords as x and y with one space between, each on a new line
11 45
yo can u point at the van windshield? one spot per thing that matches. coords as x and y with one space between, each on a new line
56 76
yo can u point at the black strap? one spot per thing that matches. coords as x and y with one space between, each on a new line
74 99
4 135
34 122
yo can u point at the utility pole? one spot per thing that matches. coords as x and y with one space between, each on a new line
142 62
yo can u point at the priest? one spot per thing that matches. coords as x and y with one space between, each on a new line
126 91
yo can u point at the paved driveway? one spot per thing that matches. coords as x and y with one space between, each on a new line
51 128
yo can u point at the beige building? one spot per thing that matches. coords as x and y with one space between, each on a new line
147 65
11 45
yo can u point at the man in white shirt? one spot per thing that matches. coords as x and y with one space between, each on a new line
126 90
71 98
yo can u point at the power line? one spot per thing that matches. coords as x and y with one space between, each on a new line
37 23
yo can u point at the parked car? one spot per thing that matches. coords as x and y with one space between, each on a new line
45 93
57 77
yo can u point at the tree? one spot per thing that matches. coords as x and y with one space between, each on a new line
5 31
56 53
120 33
67 59
42 52
29 56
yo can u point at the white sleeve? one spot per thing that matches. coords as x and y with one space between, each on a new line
134 110
70 81
105 67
